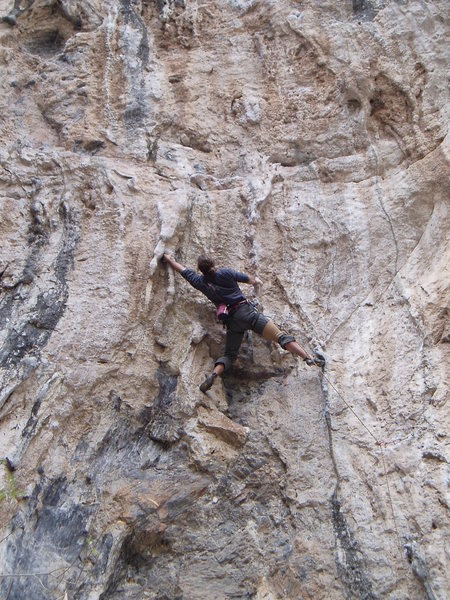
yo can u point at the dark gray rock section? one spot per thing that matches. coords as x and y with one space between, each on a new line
368 9
161 424
31 333
52 525
351 571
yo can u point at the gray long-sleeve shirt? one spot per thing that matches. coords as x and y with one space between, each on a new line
220 288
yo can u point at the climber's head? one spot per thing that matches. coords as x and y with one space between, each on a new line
206 265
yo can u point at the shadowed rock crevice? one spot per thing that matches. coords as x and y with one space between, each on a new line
161 422
46 43
396 111
80 16
368 9
56 26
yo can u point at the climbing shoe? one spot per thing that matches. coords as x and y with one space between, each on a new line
318 360
208 383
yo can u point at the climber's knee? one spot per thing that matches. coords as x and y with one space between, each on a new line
226 361
271 332
274 333
284 339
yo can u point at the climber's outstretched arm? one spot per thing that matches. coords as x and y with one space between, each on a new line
176 266
254 280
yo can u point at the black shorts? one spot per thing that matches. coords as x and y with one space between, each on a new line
246 317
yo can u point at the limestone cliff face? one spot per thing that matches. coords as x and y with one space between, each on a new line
303 141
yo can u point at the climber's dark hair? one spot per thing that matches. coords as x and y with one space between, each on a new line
206 265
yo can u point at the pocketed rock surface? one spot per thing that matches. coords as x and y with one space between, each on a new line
305 142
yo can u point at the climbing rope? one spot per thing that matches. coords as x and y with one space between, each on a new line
378 442
380 445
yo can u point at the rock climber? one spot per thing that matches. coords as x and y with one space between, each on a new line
221 287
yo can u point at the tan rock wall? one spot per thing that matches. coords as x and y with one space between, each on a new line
302 141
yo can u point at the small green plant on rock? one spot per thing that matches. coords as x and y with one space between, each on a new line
11 491
92 548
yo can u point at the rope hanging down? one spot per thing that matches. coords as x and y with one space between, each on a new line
378 443
372 435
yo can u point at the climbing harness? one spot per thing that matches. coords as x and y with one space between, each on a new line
223 311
